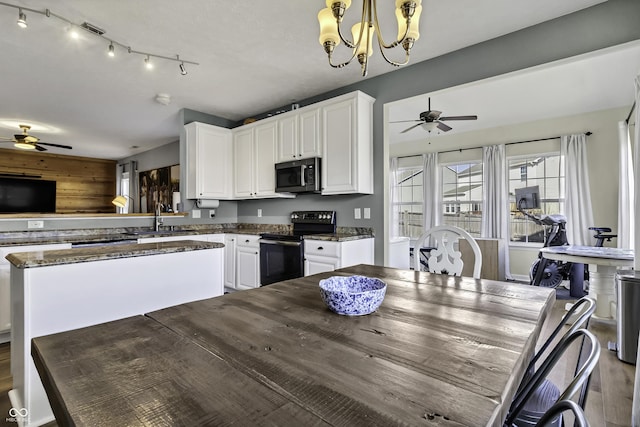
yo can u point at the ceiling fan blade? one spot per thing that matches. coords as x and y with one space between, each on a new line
411 127
407 121
55 145
459 118
39 148
443 127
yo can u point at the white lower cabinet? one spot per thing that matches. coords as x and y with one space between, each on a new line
230 261
323 255
247 261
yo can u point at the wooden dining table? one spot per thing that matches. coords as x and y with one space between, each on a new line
440 350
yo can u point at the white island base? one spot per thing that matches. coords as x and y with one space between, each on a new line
50 299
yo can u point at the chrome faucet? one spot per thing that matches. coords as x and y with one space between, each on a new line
157 217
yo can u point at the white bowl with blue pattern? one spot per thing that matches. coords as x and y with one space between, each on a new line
352 295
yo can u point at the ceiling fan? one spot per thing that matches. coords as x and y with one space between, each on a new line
29 142
431 120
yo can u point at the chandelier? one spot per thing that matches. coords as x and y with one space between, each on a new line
330 19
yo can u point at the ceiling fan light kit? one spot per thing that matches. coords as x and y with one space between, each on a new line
25 141
330 19
432 120
96 31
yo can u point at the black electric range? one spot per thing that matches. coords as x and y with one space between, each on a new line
282 253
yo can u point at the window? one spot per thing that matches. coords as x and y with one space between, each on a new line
462 196
409 203
545 171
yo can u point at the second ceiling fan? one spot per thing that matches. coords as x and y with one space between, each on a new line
432 119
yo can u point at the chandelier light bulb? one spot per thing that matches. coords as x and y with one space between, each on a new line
111 51
74 33
147 63
22 19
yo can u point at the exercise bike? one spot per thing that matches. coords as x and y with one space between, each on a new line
545 272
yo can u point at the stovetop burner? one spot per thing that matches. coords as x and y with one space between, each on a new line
306 222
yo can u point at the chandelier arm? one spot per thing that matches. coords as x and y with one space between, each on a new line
354 44
342 65
394 63
381 41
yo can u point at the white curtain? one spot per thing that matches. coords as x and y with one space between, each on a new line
394 220
577 194
431 209
626 204
636 134
495 200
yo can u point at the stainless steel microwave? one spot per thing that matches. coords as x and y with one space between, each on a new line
298 176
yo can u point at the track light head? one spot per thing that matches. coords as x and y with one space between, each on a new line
22 19
147 63
183 70
111 51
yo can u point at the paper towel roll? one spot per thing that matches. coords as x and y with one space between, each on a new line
176 200
207 204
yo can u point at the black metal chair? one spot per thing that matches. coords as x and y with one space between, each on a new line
580 420
537 395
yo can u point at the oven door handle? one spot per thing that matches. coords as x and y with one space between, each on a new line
280 242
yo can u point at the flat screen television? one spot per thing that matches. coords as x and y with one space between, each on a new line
528 197
21 195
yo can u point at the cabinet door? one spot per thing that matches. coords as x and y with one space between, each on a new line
288 138
265 159
230 261
248 268
243 161
319 264
208 163
338 148
309 134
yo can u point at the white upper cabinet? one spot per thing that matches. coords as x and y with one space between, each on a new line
209 162
299 135
347 144
254 159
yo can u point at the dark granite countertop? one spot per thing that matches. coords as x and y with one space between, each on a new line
100 253
110 235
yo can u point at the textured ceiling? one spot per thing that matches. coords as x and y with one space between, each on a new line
253 56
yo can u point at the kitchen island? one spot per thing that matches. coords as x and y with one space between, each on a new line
440 350
61 290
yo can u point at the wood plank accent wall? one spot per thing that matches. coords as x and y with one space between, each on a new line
83 184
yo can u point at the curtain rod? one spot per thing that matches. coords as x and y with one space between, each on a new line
508 143
631 112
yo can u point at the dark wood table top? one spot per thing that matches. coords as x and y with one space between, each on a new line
439 351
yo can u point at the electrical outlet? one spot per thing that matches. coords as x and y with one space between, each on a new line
212 213
195 213
357 213
367 213
259 213
35 224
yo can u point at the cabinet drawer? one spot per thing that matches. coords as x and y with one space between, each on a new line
250 240
322 247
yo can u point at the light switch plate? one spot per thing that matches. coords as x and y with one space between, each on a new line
357 213
212 213
367 213
195 213
259 213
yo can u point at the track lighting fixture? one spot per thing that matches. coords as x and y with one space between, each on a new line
74 31
22 19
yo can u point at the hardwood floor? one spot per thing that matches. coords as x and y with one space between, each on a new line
610 394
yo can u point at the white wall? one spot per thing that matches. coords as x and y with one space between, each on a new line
602 154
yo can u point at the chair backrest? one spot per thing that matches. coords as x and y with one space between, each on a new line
580 420
445 257
581 321
583 375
